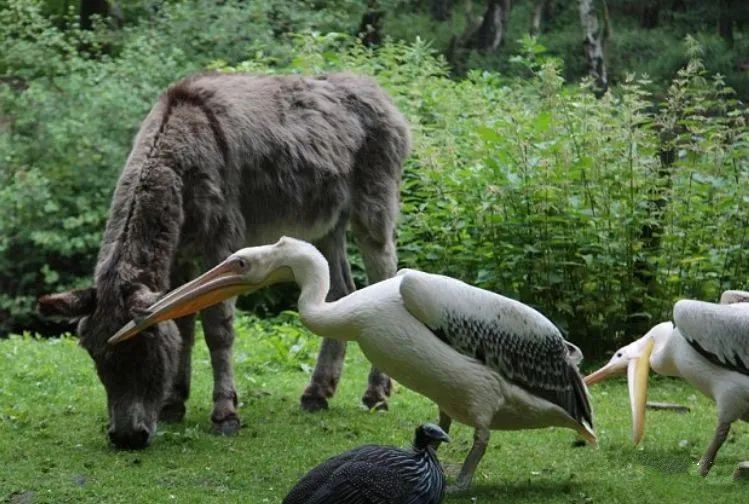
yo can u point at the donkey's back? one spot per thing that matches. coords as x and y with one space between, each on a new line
282 154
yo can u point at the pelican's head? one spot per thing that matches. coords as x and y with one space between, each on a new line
245 271
634 360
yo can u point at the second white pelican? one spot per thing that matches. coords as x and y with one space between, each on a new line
708 346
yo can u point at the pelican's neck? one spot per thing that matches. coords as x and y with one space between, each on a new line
312 275
663 359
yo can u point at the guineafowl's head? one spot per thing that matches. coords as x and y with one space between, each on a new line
429 435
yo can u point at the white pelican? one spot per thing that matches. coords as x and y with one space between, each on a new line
708 346
487 361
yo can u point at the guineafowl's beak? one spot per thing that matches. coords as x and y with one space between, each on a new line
218 284
637 381
443 437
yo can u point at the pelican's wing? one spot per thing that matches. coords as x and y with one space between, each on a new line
720 332
734 296
515 340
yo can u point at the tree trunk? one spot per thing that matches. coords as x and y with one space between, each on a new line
441 10
725 21
489 35
540 13
370 28
90 8
593 46
649 14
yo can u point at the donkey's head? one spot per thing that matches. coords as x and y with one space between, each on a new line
137 374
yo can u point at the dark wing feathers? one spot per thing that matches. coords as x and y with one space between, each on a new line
320 474
372 475
720 332
512 338
361 482
542 365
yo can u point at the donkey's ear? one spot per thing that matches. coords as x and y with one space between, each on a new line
139 298
75 303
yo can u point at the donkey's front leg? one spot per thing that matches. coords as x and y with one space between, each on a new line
219 335
173 409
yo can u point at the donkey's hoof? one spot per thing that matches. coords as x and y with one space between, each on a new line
172 413
312 403
373 401
226 426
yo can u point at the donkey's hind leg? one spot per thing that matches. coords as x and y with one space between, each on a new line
329 364
380 261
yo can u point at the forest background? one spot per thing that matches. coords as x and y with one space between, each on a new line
590 158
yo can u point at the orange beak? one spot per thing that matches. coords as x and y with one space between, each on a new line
218 284
637 381
605 372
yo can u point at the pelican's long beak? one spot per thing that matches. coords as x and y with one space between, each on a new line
606 371
637 380
216 285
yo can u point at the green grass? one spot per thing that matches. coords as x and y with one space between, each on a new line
53 446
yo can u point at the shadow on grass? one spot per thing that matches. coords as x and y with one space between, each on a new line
530 491
666 462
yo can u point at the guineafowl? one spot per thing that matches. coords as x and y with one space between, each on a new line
375 474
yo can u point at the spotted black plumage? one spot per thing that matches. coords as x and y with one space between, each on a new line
539 363
509 337
374 474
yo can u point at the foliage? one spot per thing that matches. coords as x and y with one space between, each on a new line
53 438
599 212
545 194
282 344
71 101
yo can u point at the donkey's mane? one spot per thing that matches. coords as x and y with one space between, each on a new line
146 240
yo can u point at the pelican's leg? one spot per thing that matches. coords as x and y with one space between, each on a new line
721 433
480 442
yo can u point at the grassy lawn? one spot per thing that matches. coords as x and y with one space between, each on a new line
53 446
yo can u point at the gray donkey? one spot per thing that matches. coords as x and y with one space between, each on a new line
223 162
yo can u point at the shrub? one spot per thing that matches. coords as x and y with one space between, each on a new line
70 103
598 212
601 213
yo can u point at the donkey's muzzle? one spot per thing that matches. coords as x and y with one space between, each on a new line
131 439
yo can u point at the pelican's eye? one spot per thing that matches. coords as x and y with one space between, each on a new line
242 263
618 354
